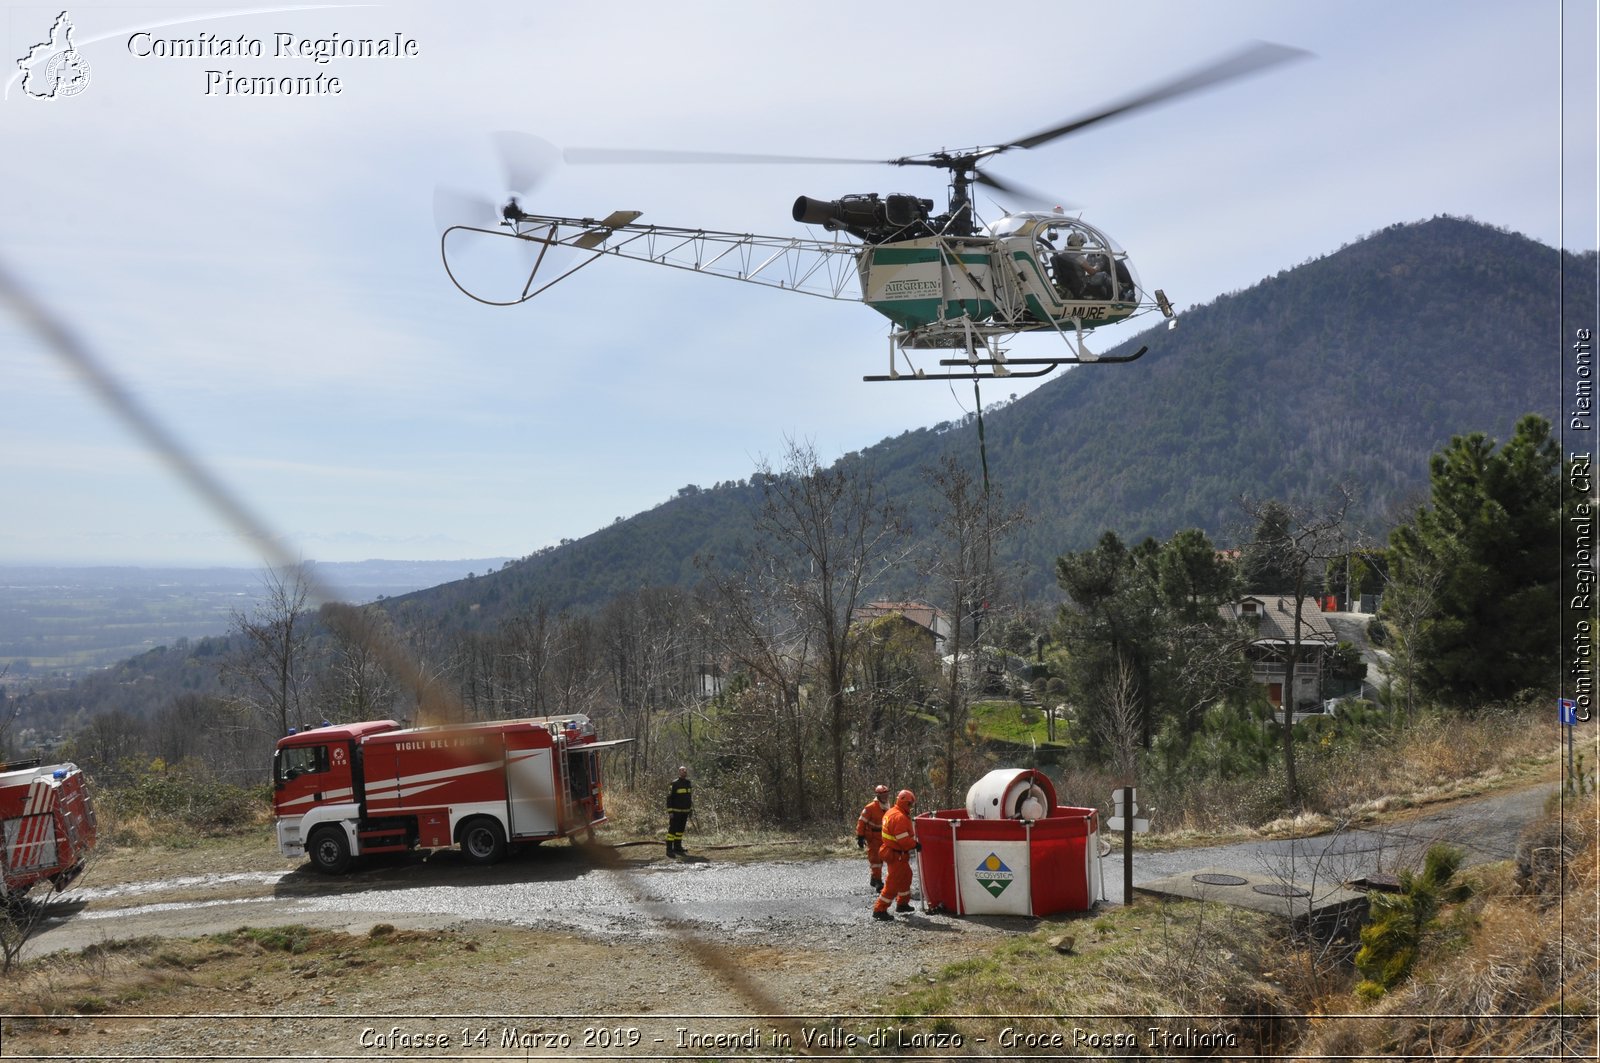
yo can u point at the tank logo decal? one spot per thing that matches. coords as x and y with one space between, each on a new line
993 875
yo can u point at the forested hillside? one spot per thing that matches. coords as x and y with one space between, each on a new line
1353 367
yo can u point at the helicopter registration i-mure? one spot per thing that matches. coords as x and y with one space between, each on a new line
947 281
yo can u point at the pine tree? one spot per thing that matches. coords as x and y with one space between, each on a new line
1492 533
1392 940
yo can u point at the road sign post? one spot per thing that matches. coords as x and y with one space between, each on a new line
1124 817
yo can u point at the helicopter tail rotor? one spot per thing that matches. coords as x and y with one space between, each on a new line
452 206
524 160
470 224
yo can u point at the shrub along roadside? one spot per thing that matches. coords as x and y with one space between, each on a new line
1349 765
176 805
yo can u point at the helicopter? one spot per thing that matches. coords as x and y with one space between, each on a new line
947 281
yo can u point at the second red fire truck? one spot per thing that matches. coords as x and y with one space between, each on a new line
47 823
348 790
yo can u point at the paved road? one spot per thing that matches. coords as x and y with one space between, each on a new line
1486 828
560 888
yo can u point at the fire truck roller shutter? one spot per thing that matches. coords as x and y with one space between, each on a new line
483 840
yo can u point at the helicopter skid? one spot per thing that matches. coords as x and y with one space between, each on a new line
1010 363
1001 369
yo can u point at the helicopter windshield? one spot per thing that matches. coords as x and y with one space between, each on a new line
1083 262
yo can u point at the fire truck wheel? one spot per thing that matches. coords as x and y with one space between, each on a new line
483 842
329 850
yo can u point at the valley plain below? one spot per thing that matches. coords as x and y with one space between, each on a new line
60 621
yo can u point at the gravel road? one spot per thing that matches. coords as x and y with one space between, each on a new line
561 888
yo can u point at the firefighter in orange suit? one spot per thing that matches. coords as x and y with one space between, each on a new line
869 833
899 842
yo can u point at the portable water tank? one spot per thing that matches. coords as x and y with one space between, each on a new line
1012 851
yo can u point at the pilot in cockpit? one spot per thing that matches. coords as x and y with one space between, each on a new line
1083 276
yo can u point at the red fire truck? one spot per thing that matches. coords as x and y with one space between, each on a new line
349 790
48 823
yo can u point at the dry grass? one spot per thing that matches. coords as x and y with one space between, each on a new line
1516 974
1173 968
1438 757
153 974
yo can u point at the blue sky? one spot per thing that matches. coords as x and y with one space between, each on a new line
263 273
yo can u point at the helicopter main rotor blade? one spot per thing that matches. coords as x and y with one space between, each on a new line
1250 60
608 156
1020 193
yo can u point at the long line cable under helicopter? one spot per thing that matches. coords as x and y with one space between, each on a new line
983 460
983 447
948 257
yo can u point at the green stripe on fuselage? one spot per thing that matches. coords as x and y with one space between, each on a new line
900 256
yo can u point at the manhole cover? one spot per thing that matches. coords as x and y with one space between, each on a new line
1281 889
1220 880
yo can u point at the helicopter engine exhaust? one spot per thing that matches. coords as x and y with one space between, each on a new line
866 217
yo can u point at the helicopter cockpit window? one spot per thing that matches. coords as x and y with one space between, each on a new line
1010 225
1085 265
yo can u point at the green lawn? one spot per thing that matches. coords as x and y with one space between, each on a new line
1015 723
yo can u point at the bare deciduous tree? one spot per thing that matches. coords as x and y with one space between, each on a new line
267 672
576 668
823 536
211 732
357 682
653 654
1410 600
970 521
1295 542
773 729
530 646
1120 724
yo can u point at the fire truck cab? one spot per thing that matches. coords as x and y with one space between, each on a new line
349 790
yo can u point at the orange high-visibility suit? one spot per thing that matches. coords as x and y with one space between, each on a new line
869 827
899 842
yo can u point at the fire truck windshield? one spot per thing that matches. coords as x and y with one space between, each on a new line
301 760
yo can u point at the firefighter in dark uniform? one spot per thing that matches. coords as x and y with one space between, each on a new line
680 802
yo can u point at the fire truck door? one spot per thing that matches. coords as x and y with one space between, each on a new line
583 783
531 790
578 786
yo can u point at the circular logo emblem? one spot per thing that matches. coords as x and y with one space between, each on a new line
66 74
